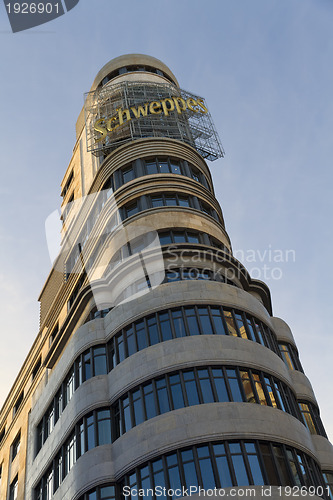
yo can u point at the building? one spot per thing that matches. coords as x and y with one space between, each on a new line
158 361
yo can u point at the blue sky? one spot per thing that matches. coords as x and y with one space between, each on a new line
265 69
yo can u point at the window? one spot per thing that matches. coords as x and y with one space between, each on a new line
18 403
16 445
131 209
165 325
68 183
328 478
13 489
2 433
54 334
311 418
290 357
36 368
127 174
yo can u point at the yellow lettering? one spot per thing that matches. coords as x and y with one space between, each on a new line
190 103
202 106
122 113
100 129
155 108
109 124
165 107
136 112
180 100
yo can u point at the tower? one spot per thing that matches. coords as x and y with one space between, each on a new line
159 363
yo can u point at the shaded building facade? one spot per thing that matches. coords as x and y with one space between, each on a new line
158 363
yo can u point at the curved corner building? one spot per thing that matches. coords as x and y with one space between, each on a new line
159 368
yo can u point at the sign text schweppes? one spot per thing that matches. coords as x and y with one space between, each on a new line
122 112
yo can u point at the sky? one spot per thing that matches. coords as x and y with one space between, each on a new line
265 70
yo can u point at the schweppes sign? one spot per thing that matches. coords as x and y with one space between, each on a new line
128 110
106 125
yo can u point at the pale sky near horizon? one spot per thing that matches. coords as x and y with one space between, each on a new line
265 70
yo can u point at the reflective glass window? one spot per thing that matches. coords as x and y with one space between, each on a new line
206 467
190 473
178 323
152 330
234 385
205 320
221 390
192 321
149 401
100 360
205 385
138 407
230 323
176 391
162 395
191 388
104 427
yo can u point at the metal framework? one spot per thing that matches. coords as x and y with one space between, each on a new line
195 128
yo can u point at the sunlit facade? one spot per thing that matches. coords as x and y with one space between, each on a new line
159 365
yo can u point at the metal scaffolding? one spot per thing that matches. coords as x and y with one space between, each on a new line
194 127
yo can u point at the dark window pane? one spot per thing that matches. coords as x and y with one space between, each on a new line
107 492
128 174
205 320
149 401
217 320
241 325
183 201
179 237
138 408
190 474
255 469
162 395
175 167
191 388
207 473
165 238
100 360
121 350
132 209
151 168
224 472
104 427
178 323
141 335
192 321
193 238
130 340
176 391
165 326
234 386
220 386
240 471
205 385
127 415
90 433
170 200
163 167
157 201
152 330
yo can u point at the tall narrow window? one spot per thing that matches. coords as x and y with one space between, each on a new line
16 445
13 489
